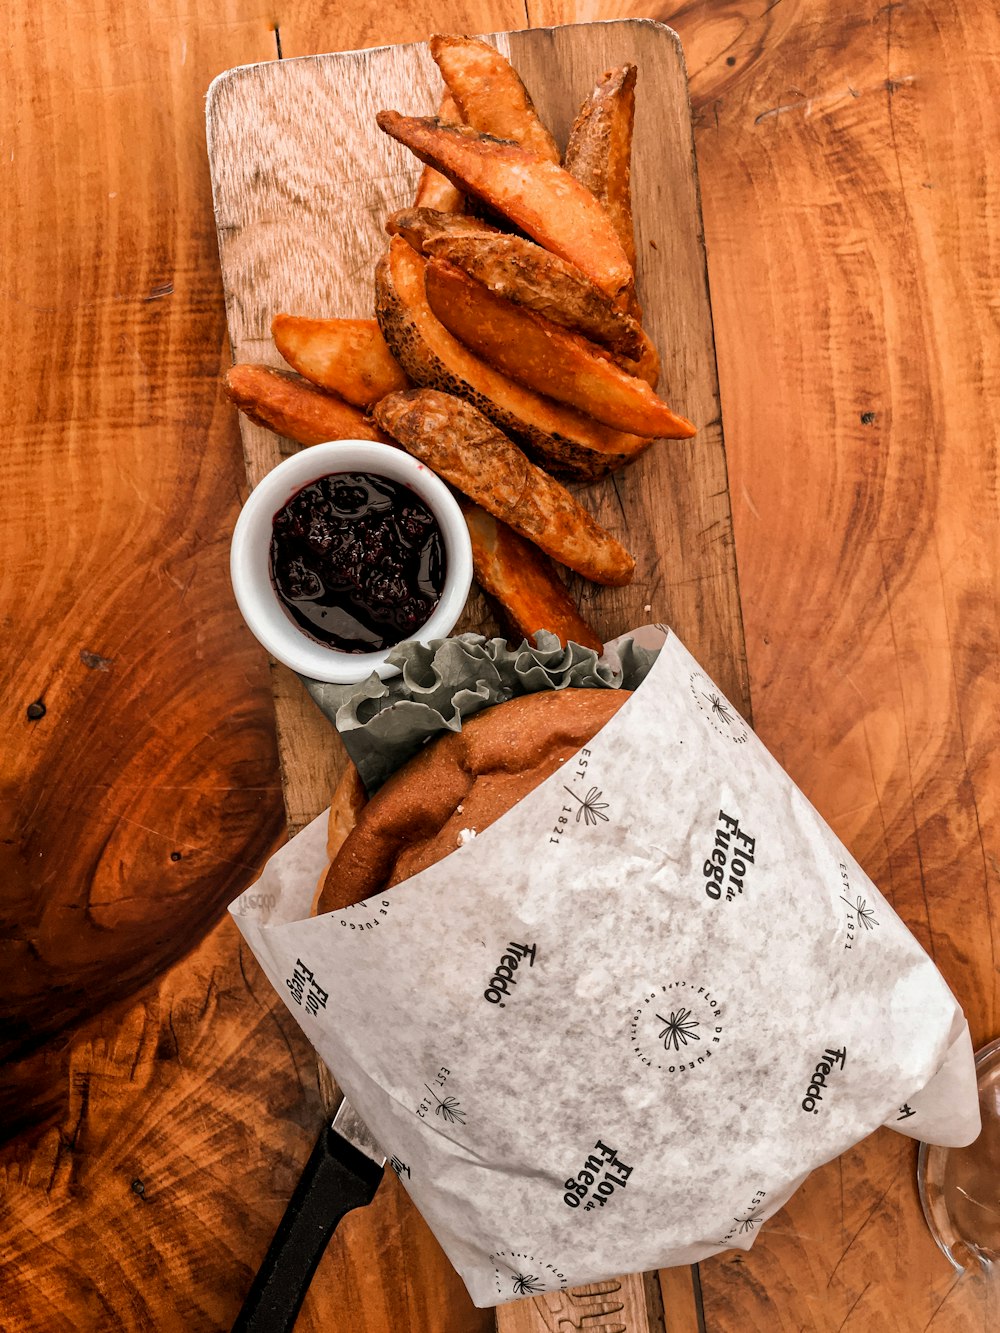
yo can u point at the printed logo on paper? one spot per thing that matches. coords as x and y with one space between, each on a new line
749 1219
363 916
305 990
832 1061
438 1107
519 1274
730 859
677 1027
583 804
719 712
859 910
499 990
602 1175
256 902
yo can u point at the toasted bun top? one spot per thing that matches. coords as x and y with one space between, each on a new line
463 780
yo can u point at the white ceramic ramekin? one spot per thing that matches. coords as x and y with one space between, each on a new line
250 556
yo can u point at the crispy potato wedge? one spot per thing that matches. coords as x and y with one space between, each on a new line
490 94
599 152
565 440
647 367
284 403
522 580
462 446
433 189
420 226
346 356
544 357
535 195
522 272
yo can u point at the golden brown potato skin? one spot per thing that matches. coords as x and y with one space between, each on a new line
498 757
599 152
547 358
516 574
522 272
490 94
463 447
433 189
420 226
347 357
537 196
647 367
567 442
284 403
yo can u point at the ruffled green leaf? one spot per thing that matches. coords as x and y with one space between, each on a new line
384 723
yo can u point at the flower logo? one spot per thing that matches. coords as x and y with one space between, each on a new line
591 806
749 1222
719 712
719 708
865 914
676 1027
448 1109
525 1275
526 1284
679 1029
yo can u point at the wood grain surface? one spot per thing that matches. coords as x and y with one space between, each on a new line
850 199
631 1304
158 1105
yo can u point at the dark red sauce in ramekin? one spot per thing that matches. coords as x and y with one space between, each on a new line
357 561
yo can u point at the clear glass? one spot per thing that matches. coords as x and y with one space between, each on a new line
960 1187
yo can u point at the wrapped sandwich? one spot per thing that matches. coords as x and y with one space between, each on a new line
599 979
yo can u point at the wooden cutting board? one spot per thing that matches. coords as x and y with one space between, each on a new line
302 181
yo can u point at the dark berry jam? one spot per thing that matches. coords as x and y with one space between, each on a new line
358 561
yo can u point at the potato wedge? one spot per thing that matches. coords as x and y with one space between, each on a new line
463 447
566 441
420 226
522 272
537 196
599 152
284 403
433 189
647 367
544 357
522 580
346 356
490 94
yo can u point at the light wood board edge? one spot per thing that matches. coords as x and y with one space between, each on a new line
618 1305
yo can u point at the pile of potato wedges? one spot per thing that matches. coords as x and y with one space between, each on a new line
507 347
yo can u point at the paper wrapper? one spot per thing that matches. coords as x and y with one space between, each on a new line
617 1029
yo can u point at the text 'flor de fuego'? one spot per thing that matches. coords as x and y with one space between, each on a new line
726 865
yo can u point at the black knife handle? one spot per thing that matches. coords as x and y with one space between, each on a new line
336 1179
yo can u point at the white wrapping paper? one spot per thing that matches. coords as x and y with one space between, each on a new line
617 1029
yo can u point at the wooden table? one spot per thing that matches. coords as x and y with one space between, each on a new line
158 1102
